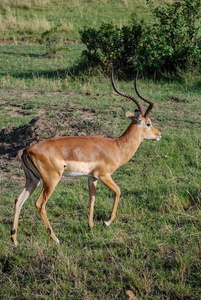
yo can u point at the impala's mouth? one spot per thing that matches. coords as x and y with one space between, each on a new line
158 138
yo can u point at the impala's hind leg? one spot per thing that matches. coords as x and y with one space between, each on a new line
48 188
31 183
92 182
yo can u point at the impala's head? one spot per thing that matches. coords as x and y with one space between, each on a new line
139 117
148 131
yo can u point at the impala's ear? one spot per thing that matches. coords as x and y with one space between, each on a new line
128 114
137 116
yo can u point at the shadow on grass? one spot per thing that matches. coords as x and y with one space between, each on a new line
39 55
78 70
15 138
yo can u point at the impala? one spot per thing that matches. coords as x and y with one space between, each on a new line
94 156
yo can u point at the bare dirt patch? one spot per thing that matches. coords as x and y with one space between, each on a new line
177 100
14 139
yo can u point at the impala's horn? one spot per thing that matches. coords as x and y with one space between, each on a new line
125 94
151 104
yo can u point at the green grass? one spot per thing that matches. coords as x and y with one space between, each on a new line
27 20
153 246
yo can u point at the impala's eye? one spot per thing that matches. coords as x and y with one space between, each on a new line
148 124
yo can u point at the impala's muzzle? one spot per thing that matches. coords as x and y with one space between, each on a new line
158 137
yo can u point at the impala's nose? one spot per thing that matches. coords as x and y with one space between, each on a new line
158 137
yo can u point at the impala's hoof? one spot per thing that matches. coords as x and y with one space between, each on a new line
15 242
106 223
13 237
90 226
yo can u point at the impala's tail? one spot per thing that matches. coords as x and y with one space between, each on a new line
30 168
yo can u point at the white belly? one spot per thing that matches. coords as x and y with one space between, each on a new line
77 174
75 168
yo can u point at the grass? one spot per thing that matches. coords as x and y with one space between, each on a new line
153 246
27 20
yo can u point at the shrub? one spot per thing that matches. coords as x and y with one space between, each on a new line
171 44
174 41
53 41
112 44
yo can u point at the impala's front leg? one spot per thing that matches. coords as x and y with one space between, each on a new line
92 182
107 180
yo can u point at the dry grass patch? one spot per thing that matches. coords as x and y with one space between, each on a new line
6 5
35 24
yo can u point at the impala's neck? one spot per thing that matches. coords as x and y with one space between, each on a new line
128 143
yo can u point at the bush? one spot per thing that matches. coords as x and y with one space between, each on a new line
112 44
171 44
53 41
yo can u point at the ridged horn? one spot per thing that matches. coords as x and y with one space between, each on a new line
125 94
151 104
